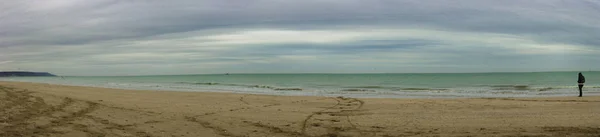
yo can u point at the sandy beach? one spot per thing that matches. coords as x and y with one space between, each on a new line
29 109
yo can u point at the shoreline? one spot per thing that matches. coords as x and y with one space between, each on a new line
287 95
55 110
366 95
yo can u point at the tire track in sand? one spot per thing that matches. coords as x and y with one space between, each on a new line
334 119
21 110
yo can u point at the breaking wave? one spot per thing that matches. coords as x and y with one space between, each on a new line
243 85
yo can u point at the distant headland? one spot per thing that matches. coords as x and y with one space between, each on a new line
24 74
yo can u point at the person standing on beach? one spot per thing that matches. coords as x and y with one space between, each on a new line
580 80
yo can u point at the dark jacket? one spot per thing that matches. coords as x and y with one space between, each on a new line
581 78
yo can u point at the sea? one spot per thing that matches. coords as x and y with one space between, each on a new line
422 85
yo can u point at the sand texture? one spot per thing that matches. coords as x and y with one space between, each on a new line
28 109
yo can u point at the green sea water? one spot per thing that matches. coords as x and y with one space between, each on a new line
532 84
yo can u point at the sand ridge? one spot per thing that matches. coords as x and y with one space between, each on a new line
29 109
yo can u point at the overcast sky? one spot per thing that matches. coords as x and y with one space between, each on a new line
144 37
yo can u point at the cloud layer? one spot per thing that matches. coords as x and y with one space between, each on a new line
143 37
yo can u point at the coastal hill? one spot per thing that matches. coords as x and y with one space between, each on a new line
23 74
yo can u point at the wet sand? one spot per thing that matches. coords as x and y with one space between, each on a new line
28 109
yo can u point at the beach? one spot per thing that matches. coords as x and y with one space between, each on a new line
33 109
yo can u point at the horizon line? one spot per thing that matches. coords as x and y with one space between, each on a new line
341 73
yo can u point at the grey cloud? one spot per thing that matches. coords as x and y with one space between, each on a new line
366 46
134 19
76 32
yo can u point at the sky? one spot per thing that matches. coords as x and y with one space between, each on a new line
157 37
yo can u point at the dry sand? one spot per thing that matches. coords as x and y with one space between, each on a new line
28 109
